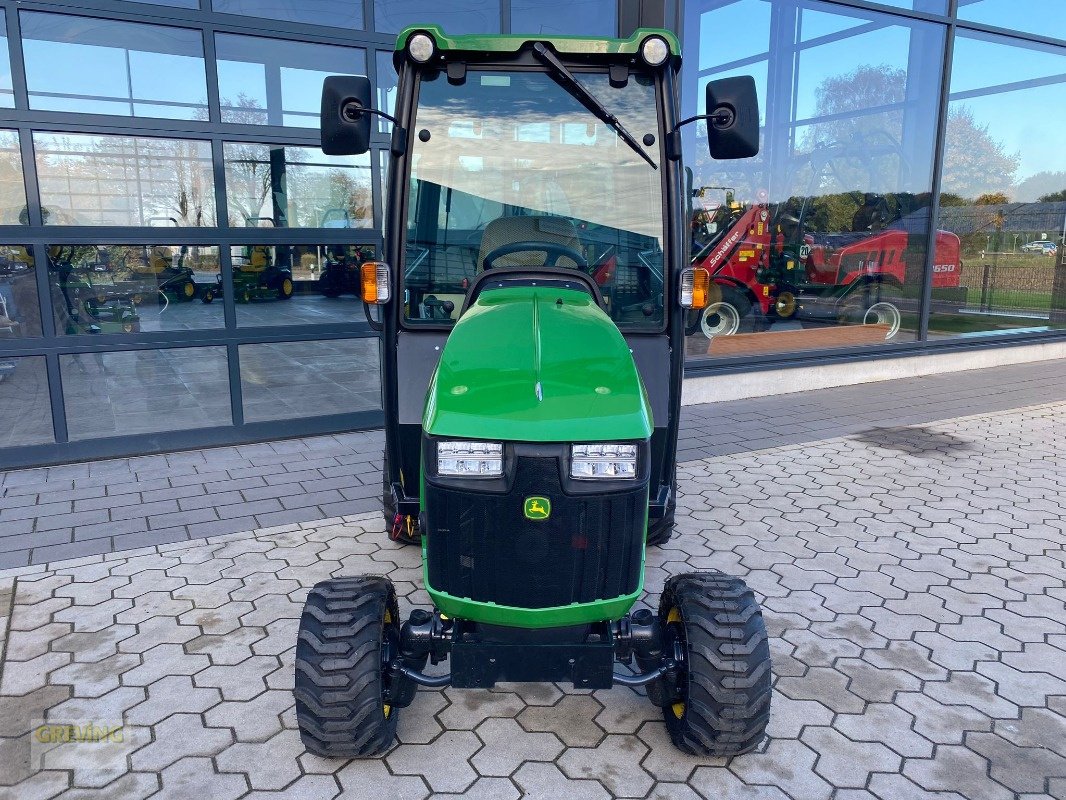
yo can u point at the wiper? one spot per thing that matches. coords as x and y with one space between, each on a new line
588 99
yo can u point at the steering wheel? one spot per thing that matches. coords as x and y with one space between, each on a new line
548 248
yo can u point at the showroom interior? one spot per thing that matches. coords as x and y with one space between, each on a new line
177 253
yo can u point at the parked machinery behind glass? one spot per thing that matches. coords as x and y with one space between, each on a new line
87 298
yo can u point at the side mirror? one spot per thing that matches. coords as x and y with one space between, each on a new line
733 127
345 121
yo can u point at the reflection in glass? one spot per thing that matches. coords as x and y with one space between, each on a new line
145 391
822 240
12 188
1004 185
577 17
133 288
296 187
338 13
492 170
102 66
293 380
20 313
25 411
1030 16
386 88
320 284
275 82
456 17
7 94
124 180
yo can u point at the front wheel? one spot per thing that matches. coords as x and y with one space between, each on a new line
720 702
349 633
285 288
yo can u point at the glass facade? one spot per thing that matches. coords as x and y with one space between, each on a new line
136 70
178 259
273 82
841 234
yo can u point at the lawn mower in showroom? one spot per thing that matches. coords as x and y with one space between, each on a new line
531 309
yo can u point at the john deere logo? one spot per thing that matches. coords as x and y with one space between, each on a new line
538 508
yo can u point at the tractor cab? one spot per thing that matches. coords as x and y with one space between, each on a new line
531 305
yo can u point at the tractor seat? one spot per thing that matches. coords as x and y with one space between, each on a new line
508 230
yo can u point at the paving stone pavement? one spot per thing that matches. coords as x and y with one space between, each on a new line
913 582
76 510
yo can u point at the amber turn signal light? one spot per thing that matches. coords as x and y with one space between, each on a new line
375 275
695 287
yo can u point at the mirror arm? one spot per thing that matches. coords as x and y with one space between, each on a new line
374 324
721 120
673 139
389 117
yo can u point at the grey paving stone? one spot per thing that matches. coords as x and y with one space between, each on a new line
60 552
196 643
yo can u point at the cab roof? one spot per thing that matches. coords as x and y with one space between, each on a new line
484 44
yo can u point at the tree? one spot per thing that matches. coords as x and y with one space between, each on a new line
974 162
1043 187
991 199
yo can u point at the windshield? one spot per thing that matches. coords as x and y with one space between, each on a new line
509 169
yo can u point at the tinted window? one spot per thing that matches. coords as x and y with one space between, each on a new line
12 189
124 180
298 284
1004 186
822 239
275 82
294 380
457 17
105 67
578 17
7 97
20 314
144 391
25 414
343 13
296 187
1043 17
112 288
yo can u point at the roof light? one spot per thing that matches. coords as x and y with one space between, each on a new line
421 47
654 50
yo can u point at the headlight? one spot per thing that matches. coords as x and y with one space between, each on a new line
615 461
470 459
421 47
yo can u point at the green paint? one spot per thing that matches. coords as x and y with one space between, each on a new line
537 508
537 364
554 617
511 43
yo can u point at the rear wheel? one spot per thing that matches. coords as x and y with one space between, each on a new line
349 632
731 315
661 530
876 304
188 290
721 701
402 529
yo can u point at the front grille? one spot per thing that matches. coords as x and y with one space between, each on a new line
482 547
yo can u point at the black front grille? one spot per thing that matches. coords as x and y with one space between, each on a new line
481 546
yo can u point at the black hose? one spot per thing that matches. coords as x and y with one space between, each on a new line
644 679
421 678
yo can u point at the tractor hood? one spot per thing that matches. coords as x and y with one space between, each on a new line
537 364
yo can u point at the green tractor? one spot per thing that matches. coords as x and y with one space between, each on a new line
531 308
